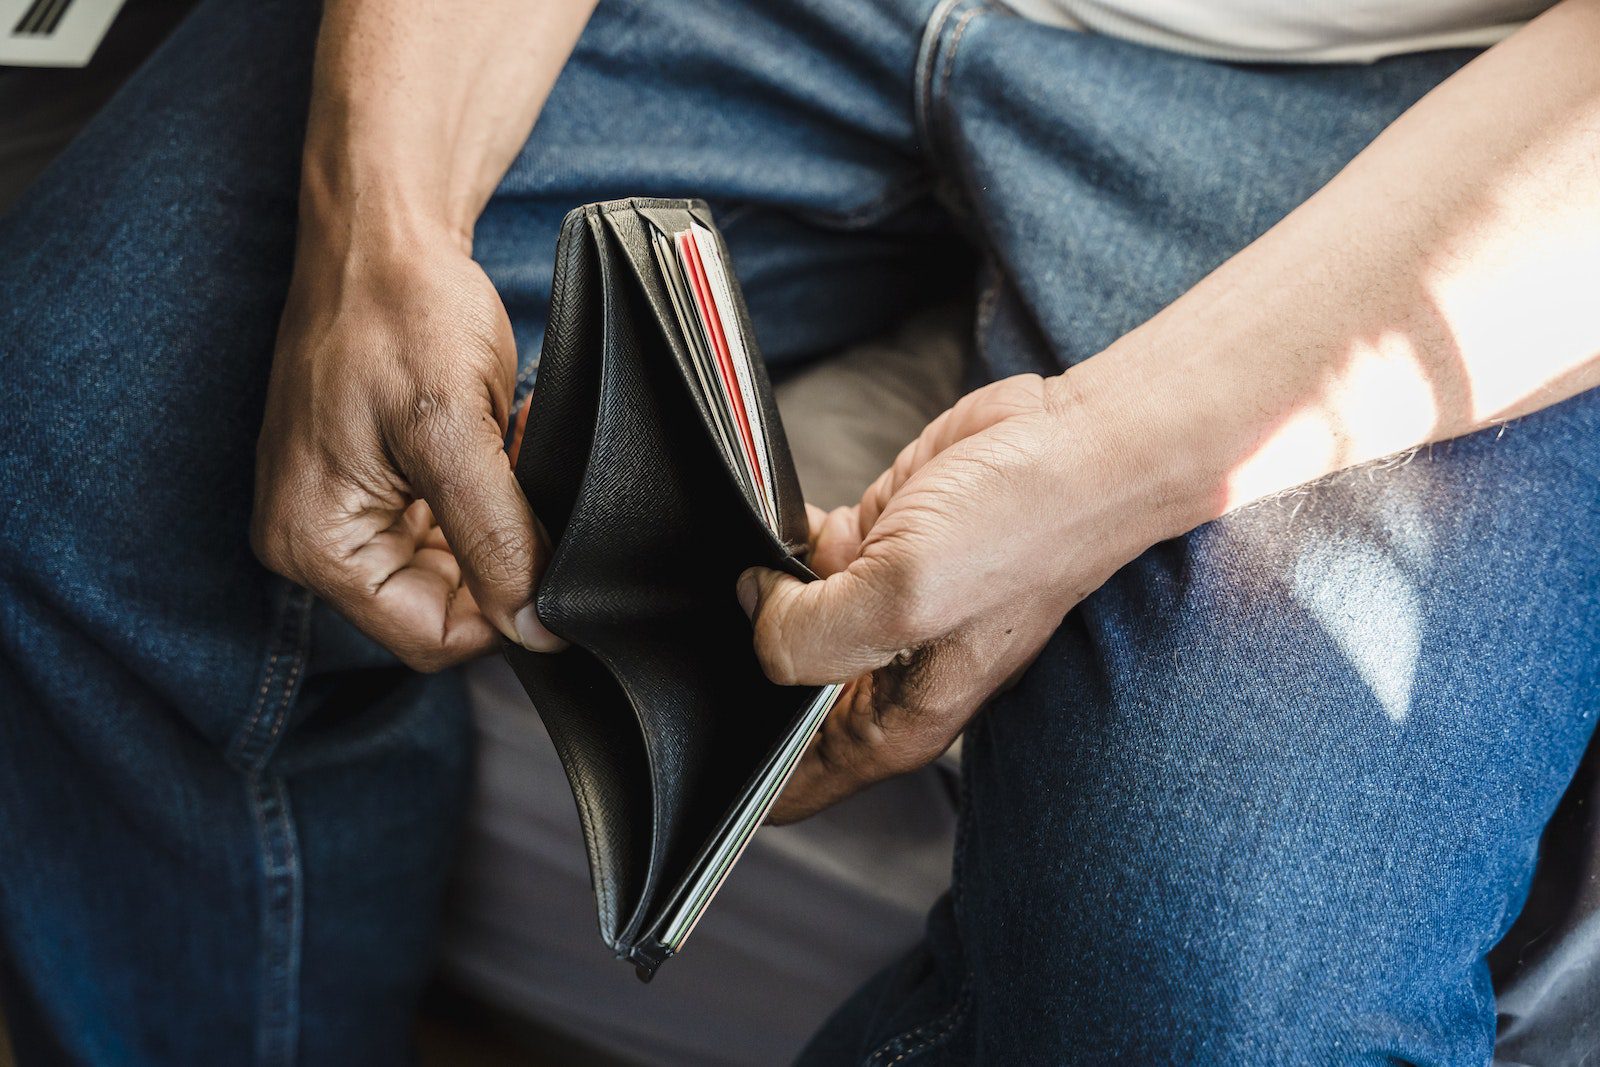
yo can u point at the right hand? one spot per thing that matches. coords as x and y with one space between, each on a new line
382 483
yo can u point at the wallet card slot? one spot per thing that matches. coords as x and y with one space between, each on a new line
793 526
630 224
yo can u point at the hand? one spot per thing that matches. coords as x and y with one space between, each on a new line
944 583
382 483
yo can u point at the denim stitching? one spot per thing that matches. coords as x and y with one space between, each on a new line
284 701
281 922
935 67
941 1028
949 57
927 55
241 739
249 749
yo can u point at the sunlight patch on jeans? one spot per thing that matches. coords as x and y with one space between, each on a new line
1369 605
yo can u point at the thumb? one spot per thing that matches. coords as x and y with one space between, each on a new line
459 466
814 633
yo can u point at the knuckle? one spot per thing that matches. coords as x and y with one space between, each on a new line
272 539
285 526
432 421
911 611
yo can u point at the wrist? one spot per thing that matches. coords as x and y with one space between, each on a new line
1161 462
348 204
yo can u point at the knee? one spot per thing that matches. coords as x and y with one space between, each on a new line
1136 883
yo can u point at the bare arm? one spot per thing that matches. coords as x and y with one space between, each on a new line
419 106
1449 277
381 483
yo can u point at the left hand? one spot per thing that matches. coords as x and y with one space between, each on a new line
944 583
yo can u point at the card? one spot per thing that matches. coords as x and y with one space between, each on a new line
735 389
53 33
700 357
710 251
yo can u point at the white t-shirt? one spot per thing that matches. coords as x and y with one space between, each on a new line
1292 31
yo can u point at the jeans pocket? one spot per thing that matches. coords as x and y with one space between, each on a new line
925 1038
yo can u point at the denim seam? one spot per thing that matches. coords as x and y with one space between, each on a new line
927 59
282 920
253 743
267 678
281 916
937 1031
935 68
874 211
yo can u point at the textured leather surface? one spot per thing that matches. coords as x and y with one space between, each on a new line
659 711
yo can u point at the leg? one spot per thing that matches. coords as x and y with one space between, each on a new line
1271 794
174 889
225 817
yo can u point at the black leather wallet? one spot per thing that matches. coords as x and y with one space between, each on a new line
638 464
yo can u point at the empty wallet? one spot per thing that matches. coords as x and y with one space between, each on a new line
674 742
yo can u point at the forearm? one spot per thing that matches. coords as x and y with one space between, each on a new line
419 106
1449 278
382 481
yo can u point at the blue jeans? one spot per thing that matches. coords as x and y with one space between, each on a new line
1267 797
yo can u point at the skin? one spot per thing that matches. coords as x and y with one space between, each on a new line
1443 282
381 479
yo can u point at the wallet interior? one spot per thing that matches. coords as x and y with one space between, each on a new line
659 711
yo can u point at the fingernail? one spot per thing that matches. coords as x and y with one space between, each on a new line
748 590
532 634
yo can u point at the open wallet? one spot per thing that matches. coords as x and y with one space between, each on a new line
655 459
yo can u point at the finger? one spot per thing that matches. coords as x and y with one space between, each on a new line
815 517
837 542
401 586
412 540
519 430
972 414
452 455
424 618
887 724
818 782
815 633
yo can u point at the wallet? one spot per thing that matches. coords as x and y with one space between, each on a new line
655 459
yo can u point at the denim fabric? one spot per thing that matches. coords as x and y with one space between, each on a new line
1267 797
